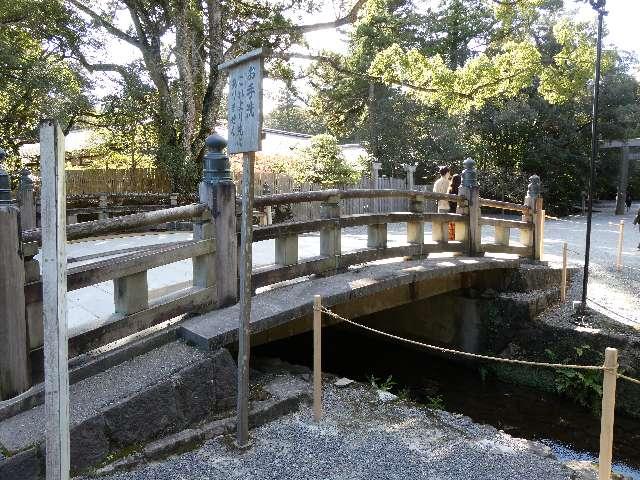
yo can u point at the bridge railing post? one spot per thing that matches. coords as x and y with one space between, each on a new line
286 250
26 201
415 229
377 235
533 199
103 205
218 191
204 266
470 189
15 373
331 237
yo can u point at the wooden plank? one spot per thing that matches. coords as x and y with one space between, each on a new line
486 202
160 310
54 269
500 222
124 223
291 228
523 251
15 371
275 274
110 269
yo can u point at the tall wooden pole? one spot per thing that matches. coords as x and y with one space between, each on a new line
608 412
54 308
246 239
317 358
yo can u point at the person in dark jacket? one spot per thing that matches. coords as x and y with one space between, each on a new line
628 200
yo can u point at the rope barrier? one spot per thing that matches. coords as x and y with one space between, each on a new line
628 379
461 353
475 355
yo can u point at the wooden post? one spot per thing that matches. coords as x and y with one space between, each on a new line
103 204
317 358
218 192
563 280
527 236
244 118
27 201
415 230
204 267
246 242
608 412
538 228
377 235
620 244
502 235
131 293
54 289
471 190
331 238
15 372
287 250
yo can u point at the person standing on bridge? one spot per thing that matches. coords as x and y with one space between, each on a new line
628 200
442 186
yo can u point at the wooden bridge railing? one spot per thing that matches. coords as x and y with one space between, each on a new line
213 251
468 222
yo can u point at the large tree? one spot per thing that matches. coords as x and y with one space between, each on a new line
181 42
36 80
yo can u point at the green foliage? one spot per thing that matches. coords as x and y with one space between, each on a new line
582 386
322 162
291 117
507 83
435 402
379 384
35 79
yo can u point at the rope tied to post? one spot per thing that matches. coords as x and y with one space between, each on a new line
461 353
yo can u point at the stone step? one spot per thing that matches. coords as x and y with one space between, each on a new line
162 391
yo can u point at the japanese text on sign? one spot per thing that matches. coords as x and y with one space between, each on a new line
245 106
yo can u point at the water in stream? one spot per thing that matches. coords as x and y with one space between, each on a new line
570 430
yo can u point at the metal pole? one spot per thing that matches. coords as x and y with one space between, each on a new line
599 6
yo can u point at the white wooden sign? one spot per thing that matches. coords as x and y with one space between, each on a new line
244 115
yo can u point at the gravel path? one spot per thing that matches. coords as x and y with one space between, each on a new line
361 437
613 293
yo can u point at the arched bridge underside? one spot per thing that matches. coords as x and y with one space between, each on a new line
286 309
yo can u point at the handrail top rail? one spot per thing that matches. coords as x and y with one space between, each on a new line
488 202
123 223
324 195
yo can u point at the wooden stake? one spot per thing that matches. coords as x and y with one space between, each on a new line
620 243
246 239
608 412
317 358
54 309
563 281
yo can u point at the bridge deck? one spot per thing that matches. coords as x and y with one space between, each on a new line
283 303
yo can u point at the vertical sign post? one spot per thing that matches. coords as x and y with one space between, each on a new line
245 136
54 289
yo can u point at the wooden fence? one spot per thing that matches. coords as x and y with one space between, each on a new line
148 180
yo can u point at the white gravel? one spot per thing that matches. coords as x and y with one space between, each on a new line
613 293
361 437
